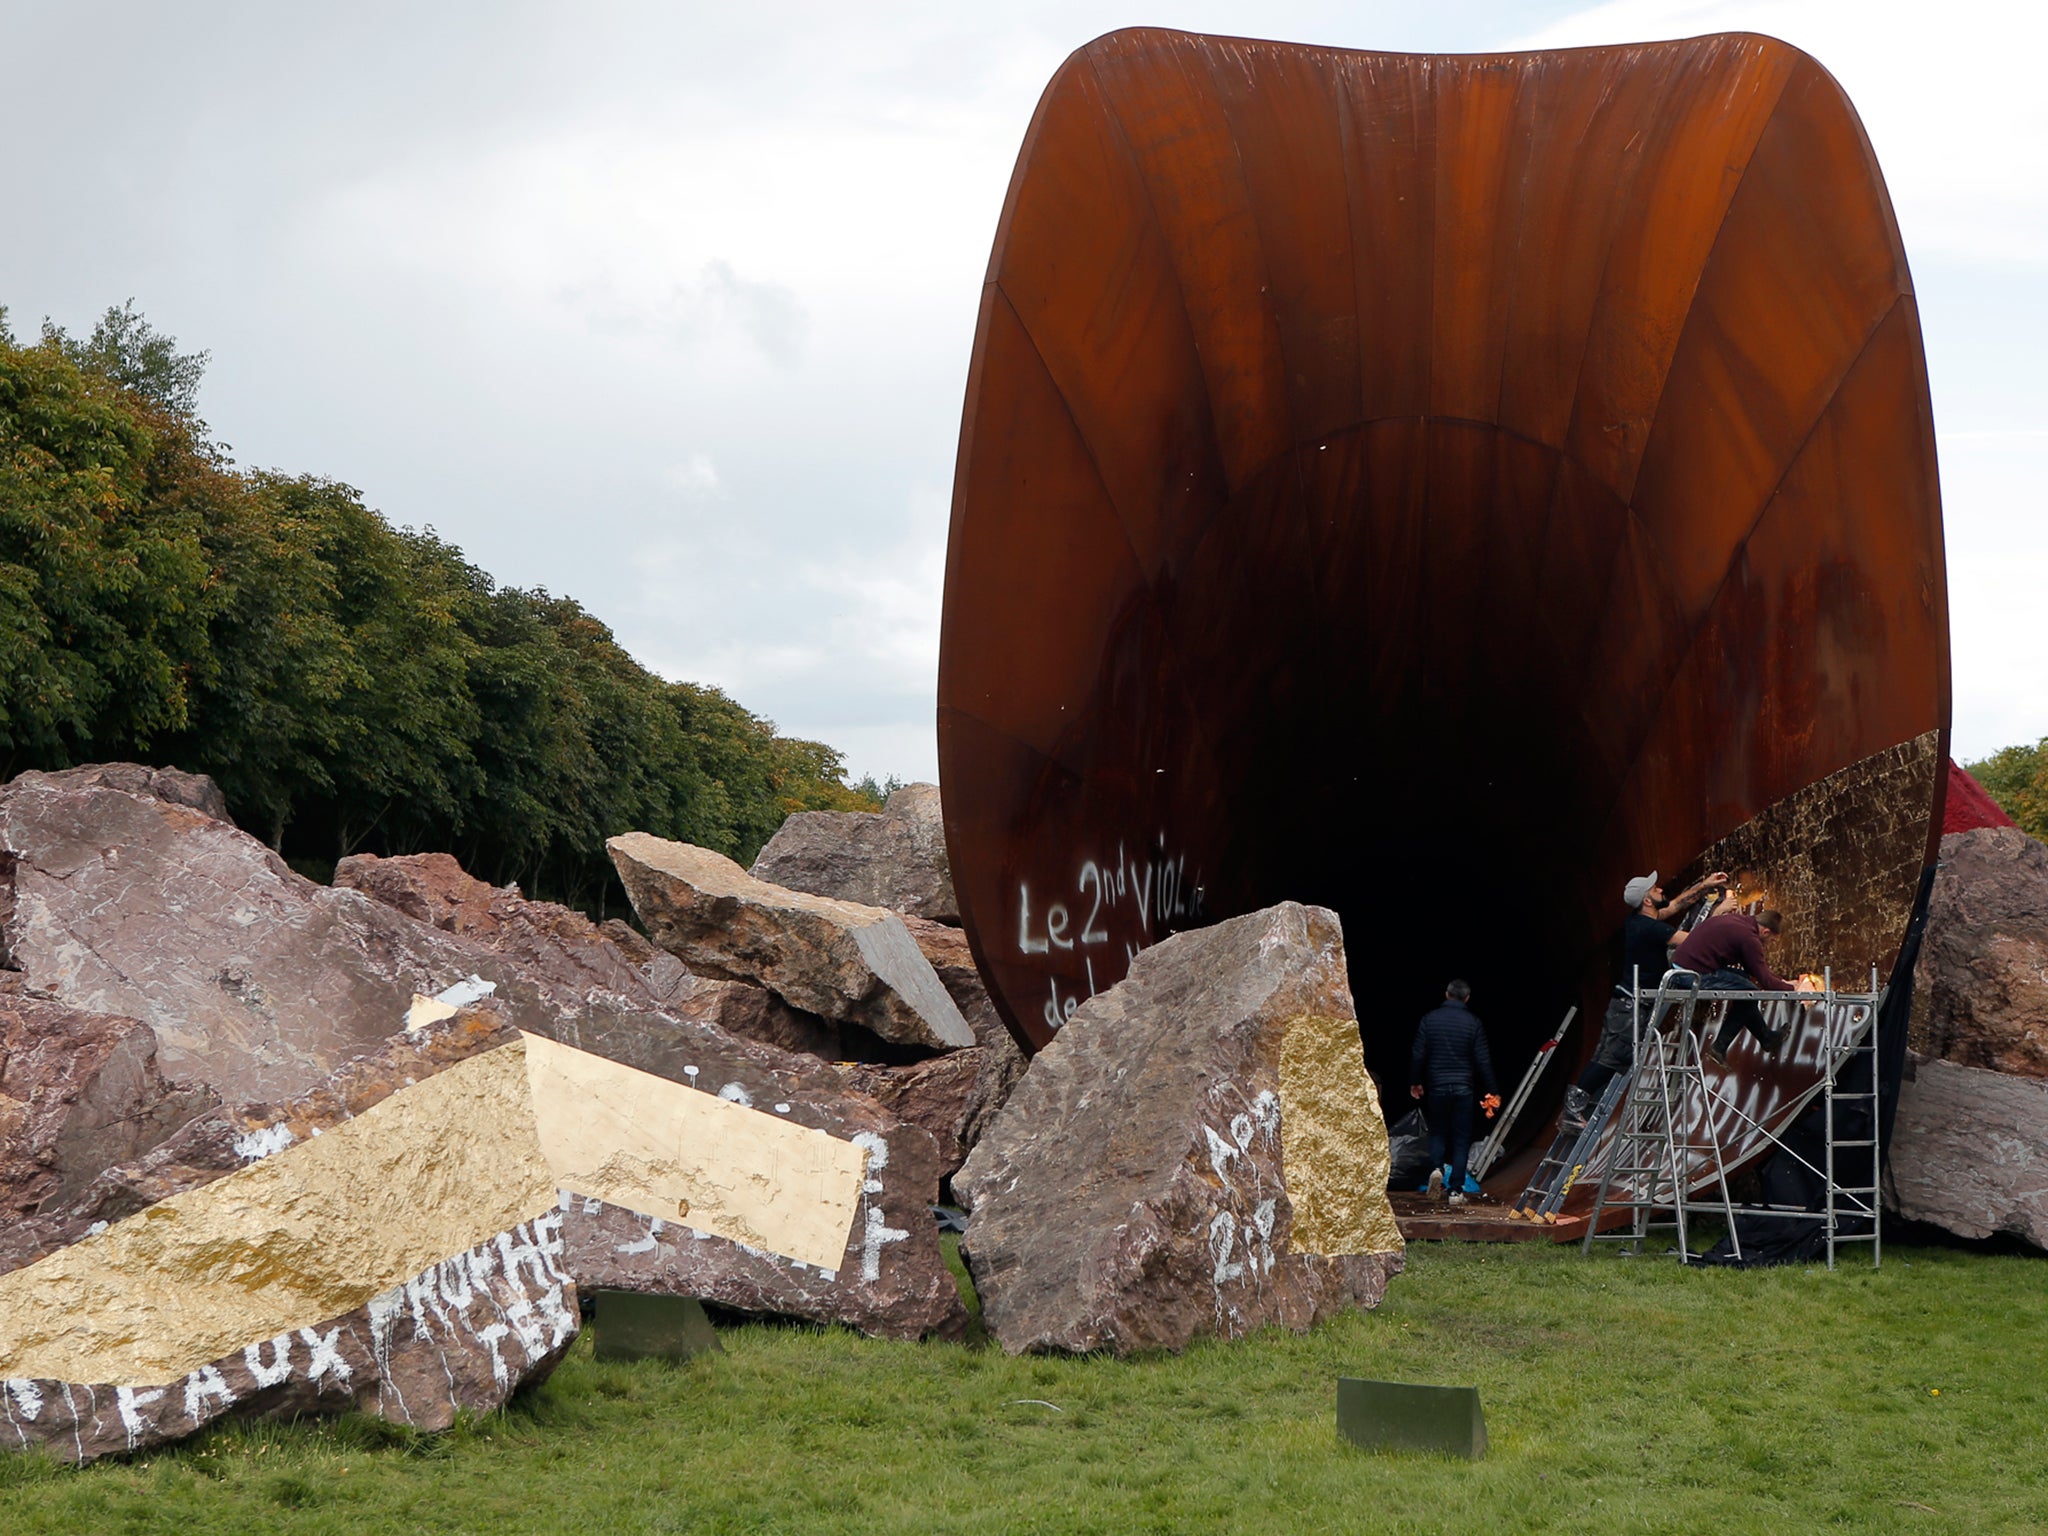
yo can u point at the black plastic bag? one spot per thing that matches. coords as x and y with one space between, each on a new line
1408 1152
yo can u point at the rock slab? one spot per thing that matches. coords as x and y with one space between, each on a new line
895 858
461 1336
1969 1151
1219 1159
120 896
955 1095
1981 992
544 939
890 1282
79 1091
839 960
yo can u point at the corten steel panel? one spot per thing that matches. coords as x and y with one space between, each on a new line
1440 488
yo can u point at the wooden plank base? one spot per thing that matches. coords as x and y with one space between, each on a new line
1481 1219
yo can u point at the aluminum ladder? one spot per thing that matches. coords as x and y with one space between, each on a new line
1665 1144
1487 1153
1563 1164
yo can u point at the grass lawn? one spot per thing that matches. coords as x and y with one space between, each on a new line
1620 1394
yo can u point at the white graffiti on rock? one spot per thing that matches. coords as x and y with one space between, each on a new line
508 1301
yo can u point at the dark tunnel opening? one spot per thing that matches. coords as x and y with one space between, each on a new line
1441 864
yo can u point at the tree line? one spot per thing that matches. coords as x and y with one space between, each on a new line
351 685
2017 778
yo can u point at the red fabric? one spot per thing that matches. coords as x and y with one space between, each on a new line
1968 806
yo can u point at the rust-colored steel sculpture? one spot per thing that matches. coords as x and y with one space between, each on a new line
1440 488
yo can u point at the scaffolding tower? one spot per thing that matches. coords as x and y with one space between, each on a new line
1670 1156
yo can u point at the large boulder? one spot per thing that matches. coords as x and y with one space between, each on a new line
405 1262
890 1282
563 947
79 1091
890 1279
895 858
544 939
955 1095
436 1185
118 896
1218 1163
1981 992
459 1337
837 959
1969 1151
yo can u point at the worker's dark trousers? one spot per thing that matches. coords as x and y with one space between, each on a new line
1449 1113
1741 1015
1616 1052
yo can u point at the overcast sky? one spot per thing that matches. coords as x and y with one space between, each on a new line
669 308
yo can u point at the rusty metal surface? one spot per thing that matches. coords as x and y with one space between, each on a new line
1437 488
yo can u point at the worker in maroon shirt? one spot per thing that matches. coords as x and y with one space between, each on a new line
1727 953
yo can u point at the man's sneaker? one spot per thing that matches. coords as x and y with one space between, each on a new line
1471 1185
1777 1040
1457 1199
1578 1104
1716 1055
1436 1184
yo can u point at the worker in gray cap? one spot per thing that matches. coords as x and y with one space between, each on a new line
1646 937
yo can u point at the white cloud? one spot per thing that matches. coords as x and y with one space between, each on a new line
1996 485
696 477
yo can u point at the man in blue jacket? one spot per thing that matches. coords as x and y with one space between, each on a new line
1450 1059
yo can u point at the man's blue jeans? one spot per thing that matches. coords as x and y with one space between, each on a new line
1449 1113
1741 1015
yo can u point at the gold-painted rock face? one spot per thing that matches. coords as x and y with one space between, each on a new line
1334 1141
305 1234
632 1139
318 1228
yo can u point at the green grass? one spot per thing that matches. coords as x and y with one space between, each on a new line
1620 1394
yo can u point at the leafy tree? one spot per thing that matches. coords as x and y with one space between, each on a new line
131 352
102 578
868 788
267 720
350 685
2017 778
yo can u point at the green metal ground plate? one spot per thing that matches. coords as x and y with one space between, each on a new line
1395 1415
630 1326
